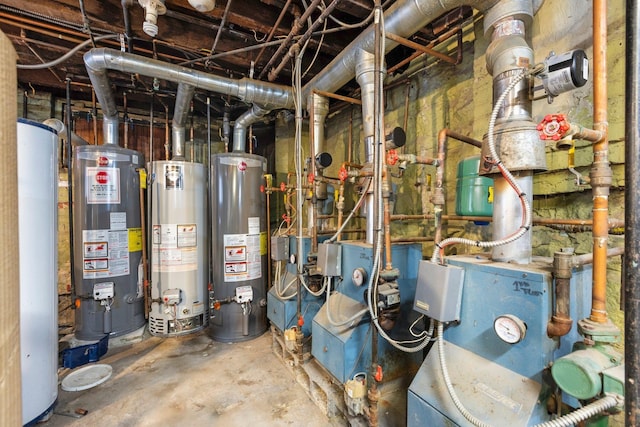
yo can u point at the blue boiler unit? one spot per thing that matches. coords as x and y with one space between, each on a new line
346 351
500 381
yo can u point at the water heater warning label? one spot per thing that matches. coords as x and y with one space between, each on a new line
105 253
242 259
102 185
174 248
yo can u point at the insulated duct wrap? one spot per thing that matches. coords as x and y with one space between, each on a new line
10 380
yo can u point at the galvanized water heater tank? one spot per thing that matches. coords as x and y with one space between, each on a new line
38 229
238 247
179 264
107 241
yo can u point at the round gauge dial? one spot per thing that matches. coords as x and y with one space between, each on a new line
292 258
510 328
359 276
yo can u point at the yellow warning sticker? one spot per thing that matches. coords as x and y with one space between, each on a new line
263 243
135 239
143 178
490 196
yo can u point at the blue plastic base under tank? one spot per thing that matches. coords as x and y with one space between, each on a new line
43 417
346 351
499 383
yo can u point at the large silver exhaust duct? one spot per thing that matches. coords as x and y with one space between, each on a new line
98 61
404 18
180 115
252 115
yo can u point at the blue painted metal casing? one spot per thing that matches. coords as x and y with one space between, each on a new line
490 290
282 312
347 351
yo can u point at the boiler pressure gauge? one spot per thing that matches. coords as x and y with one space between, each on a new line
359 276
510 328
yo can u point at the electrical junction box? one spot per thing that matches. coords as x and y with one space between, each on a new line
102 291
280 248
330 259
439 291
244 294
388 295
171 296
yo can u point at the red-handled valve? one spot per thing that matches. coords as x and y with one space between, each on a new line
262 188
300 321
283 187
553 127
343 174
378 375
311 178
392 157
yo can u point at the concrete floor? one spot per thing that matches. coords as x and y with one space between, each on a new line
194 381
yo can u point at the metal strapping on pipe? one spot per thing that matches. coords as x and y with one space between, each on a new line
178 123
404 18
98 61
254 114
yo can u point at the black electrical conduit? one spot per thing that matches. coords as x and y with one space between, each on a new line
632 218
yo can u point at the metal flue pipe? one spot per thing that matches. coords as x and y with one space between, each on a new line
98 61
178 123
252 115
404 18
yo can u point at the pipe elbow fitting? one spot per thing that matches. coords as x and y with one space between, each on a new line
559 326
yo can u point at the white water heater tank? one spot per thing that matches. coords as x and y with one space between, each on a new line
38 229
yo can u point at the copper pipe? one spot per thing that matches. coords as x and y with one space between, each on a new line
419 47
411 239
438 198
295 29
601 174
125 120
405 120
339 97
340 206
274 29
613 222
387 230
166 132
143 231
299 44
561 322
313 224
350 137
440 39
94 110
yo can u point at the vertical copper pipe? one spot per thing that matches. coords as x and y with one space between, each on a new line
340 208
350 140
601 175
166 132
312 174
143 228
94 111
125 120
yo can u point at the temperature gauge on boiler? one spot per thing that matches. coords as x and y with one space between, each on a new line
510 328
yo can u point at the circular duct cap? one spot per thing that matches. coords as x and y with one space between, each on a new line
87 377
203 5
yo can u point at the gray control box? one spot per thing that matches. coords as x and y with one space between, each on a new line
439 291
280 248
330 259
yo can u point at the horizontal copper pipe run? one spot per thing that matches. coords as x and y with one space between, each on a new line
613 222
408 239
330 232
338 97
421 48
